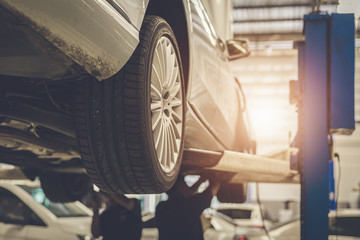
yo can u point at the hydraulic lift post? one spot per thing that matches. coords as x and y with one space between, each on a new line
313 129
325 94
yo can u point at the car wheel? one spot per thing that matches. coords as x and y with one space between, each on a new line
130 127
65 187
232 193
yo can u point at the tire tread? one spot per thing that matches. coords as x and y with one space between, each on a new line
110 146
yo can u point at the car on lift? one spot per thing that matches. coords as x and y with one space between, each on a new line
118 88
26 213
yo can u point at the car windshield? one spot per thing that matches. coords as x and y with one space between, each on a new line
236 213
58 209
345 226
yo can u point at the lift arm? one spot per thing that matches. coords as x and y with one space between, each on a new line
241 167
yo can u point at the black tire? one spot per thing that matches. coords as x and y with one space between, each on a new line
232 193
114 121
65 187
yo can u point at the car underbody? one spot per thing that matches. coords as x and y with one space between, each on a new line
37 124
65 108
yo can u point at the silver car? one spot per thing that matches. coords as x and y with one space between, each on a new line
118 87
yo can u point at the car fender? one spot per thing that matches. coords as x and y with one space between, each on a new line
81 30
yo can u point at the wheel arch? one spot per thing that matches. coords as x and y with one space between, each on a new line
174 13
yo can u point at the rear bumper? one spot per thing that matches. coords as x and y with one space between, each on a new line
90 33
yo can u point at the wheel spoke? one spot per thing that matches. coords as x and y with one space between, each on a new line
156 117
165 146
175 90
166 63
155 93
166 156
171 148
163 63
171 57
176 130
156 105
176 116
159 55
176 102
173 139
157 135
173 77
155 74
162 146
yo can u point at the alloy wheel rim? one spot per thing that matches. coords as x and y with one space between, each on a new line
166 104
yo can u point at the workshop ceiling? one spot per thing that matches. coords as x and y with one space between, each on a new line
275 20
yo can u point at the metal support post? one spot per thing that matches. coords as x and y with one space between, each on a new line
326 105
315 149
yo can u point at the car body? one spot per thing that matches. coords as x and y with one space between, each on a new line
343 225
245 215
27 214
68 91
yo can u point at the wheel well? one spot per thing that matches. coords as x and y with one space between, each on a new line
174 13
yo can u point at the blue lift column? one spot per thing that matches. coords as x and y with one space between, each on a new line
326 106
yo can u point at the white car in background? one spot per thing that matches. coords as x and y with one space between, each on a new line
26 214
246 216
218 226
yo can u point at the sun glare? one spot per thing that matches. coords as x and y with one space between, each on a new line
267 121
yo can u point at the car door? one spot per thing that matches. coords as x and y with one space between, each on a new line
230 104
38 230
212 95
19 221
202 92
12 216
